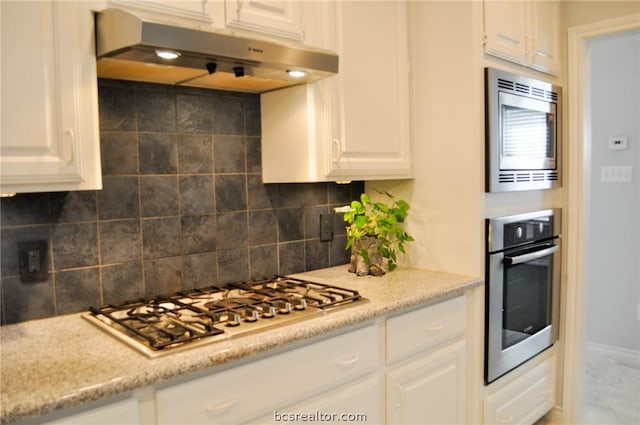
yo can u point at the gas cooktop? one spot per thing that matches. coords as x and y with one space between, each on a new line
187 319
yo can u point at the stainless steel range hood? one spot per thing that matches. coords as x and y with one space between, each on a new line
127 47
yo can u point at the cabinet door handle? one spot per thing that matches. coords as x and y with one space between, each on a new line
225 405
434 328
508 39
348 362
68 143
336 150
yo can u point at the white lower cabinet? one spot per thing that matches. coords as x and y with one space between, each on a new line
430 390
524 400
259 388
429 387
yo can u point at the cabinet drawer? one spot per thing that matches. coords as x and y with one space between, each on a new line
259 388
351 403
425 328
524 400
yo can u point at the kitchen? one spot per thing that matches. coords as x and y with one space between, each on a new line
449 230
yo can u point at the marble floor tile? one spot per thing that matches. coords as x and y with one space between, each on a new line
612 395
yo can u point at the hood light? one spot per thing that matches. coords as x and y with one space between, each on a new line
296 74
167 54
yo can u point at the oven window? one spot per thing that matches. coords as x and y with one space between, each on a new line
527 133
527 299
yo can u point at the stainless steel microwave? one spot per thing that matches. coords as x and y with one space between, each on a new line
523 133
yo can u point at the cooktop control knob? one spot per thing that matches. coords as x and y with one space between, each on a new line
233 319
250 315
268 311
299 304
284 307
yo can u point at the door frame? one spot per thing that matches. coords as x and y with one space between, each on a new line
578 196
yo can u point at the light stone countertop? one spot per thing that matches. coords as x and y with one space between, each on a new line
61 362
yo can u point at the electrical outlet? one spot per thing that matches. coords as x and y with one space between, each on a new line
33 260
326 227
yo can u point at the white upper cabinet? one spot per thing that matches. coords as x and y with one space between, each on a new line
50 137
370 109
505 30
276 19
189 13
352 126
282 18
546 36
524 31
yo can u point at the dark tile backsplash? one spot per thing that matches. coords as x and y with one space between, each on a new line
183 206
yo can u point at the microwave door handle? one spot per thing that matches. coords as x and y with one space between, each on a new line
512 261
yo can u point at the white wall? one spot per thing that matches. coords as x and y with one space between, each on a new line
614 257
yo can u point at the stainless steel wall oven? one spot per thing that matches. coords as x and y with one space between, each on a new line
522 289
523 132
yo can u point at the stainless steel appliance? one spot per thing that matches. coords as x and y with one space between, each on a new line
523 132
131 48
522 289
188 319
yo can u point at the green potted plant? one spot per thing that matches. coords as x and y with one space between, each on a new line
375 233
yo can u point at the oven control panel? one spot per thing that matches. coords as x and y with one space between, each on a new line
515 230
527 231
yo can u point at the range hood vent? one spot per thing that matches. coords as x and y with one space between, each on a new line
127 49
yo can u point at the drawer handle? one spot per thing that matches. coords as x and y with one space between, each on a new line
507 420
434 328
226 405
348 362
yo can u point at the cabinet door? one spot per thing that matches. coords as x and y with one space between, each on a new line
282 18
545 36
370 118
189 13
430 390
50 137
505 30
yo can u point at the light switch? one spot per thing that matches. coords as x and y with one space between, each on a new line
618 143
615 173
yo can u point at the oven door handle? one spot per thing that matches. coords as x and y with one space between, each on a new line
511 261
